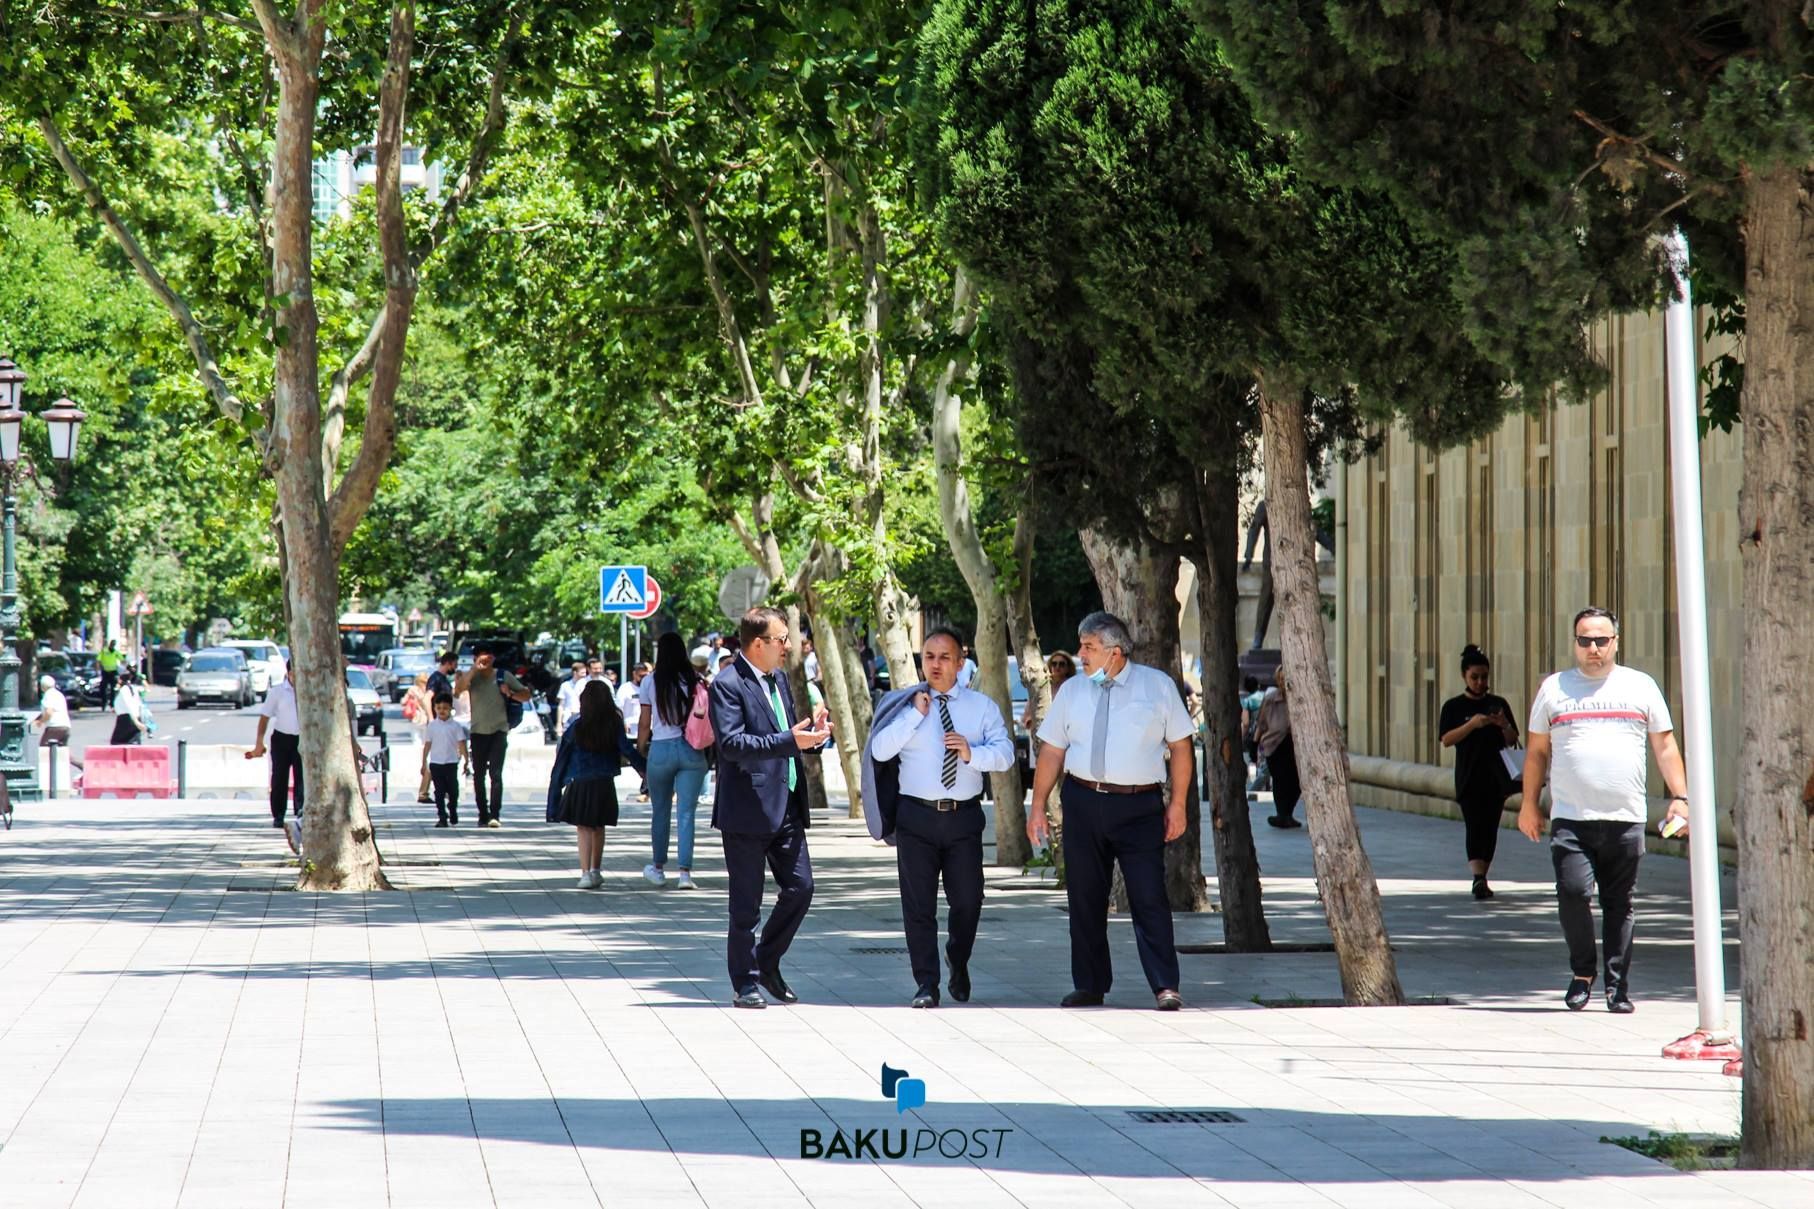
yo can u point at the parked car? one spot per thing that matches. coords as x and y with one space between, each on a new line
368 707
166 665
263 656
399 668
510 653
79 683
215 674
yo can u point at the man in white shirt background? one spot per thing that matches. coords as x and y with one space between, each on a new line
277 713
1590 727
631 708
567 700
945 739
1118 733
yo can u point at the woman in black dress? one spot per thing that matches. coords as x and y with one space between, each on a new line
582 790
1478 725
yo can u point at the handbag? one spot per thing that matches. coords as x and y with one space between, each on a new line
698 730
1513 759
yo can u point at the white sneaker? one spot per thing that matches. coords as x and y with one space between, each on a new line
653 876
585 880
685 881
598 879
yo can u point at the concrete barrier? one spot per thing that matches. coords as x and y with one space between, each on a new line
1429 789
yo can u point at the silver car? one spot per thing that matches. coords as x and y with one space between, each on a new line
215 674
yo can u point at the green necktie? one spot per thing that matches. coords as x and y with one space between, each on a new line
774 699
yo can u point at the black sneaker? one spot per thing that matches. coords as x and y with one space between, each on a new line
1578 993
440 822
1481 889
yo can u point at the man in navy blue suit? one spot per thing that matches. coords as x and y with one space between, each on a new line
759 808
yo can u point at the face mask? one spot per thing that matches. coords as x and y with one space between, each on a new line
1099 676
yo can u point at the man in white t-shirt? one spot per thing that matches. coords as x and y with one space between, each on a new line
1589 728
630 708
568 699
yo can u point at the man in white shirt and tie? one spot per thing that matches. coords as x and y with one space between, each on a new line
1117 733
946 738
277 715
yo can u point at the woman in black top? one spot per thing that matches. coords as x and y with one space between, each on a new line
1478 725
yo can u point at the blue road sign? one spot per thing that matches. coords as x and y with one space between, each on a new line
622 589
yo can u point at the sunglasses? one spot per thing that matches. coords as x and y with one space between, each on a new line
1597 640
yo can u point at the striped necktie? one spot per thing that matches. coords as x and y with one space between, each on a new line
948 774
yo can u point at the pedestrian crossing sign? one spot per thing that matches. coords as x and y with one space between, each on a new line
622 589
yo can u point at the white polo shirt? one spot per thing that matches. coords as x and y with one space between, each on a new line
279 706
1145 714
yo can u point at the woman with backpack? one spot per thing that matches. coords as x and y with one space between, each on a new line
583 788
673 730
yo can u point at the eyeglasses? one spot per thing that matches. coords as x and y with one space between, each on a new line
780 638
1594 640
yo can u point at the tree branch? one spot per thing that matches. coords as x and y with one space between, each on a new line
178 18
741 528
484 142
1654 158
279 33
379 436
224 399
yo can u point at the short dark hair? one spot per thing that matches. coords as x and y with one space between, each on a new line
944 631
754 624
447 657
1251 684
443 699
1595 611
482 648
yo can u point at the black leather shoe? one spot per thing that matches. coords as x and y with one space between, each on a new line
960 983
1286 822
925 999
751 998
1618 1001
1168 1001
772 982
1481 889
1579 990
1081 999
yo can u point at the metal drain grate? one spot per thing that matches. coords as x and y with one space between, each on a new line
1184 1116
882 952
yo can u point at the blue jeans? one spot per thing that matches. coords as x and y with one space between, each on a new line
676 777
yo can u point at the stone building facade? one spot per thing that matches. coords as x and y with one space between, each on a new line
1501 542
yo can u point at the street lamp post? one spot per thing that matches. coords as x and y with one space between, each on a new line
65 423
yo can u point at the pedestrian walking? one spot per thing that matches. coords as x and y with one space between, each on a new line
441 680
444 750
1251 699
1278 754
53 713
1588 731
109 660
582 790
760 805
129 712
419 711
1479 726
567 702
676 769
277 716
1116 733
939 739
488 689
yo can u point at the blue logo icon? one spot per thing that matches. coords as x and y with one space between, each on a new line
906 1093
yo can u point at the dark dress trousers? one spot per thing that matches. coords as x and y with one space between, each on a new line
759 820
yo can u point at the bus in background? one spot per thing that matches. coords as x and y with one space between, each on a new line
363 635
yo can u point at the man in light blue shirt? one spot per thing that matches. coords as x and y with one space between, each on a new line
945 739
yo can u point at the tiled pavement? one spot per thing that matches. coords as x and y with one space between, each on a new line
177 1029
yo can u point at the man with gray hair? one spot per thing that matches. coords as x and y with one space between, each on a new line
1111 733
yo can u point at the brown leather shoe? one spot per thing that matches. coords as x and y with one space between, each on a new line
1168 1001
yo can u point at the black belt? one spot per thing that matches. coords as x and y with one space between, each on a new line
943 805
1105 787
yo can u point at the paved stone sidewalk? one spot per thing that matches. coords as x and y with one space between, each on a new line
177 1029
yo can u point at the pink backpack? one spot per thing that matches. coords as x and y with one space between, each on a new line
699 719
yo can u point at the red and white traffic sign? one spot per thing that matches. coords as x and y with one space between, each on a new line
140 607
651 602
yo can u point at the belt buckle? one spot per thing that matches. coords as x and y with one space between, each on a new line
946 805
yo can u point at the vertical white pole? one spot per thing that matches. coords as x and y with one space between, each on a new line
623 649
1691 625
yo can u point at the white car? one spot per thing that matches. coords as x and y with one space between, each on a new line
263 656
368 709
